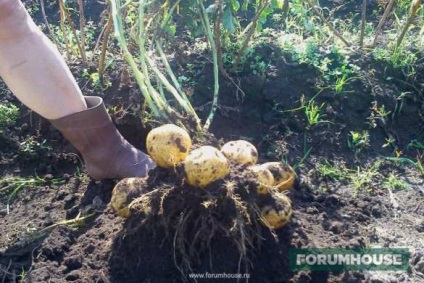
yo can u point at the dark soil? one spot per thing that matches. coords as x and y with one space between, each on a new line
328 212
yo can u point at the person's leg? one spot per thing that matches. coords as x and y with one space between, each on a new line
36 73
32 67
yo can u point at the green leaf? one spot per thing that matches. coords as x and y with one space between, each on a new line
245 5
277 4
211 9
264 15
228 20
235 5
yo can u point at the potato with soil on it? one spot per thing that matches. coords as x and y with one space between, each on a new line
168 145
205 165
241 151
284 175
277 211
264 178
124 192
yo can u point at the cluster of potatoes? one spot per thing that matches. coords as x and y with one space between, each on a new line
170 145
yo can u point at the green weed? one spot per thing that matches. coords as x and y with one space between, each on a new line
10 187
393 182
361 178
358 141
9 114
31 234
94 78
31 148
378 114
415 144
331 171
399 58
418 164
313 113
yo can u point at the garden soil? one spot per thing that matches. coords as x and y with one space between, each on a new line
38 245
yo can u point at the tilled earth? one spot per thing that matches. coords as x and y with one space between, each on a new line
92 254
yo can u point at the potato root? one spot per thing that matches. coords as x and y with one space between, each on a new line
124 192
168 145
277 213
241 151
284 175
264 178
205 165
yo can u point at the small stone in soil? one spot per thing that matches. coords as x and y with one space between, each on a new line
420 227
420 266
73 276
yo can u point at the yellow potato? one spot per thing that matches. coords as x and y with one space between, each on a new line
124 192
241 151
264 178
205 165
284 175
278 213
168 145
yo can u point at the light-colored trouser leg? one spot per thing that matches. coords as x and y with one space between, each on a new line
33 68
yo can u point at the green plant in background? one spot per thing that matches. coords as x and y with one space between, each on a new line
9 113
400 99
393 182
331 171
31 148
390 142
400 58
418 164
399 53
341 82
94 78
311 34
415 144
362 177
313 113
258 66
378 116
358 141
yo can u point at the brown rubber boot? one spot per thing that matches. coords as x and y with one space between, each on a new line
107 155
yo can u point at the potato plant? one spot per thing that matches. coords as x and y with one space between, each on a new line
145 31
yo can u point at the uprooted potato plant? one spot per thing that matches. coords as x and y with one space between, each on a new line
224 198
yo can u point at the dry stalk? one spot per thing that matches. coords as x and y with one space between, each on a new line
249 33
363 23
82 31
325 21
46 22
285 12
382 21
64 16
105 39
415 5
